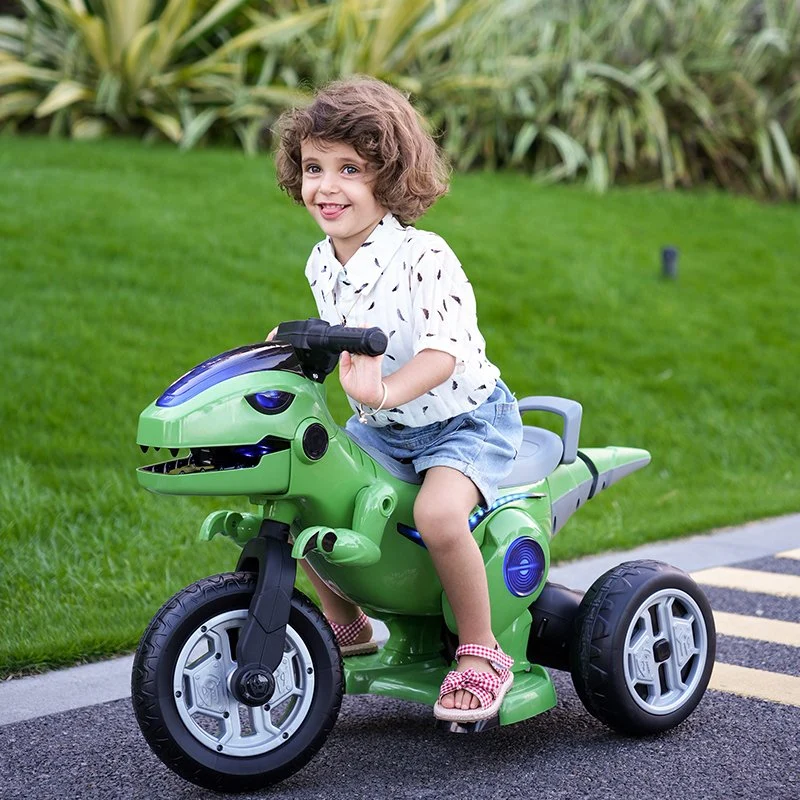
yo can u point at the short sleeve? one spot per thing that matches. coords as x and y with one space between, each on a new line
442 300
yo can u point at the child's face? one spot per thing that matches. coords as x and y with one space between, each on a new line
337 191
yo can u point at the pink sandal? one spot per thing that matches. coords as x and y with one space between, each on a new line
346 636
490 689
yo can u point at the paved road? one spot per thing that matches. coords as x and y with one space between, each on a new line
731 747
741 742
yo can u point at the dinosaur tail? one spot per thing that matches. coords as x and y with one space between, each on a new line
595 469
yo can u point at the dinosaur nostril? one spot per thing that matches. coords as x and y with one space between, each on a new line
311 544
328 541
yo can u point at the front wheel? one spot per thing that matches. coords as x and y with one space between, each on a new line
185 708
644 647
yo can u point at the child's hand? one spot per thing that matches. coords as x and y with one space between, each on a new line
360 377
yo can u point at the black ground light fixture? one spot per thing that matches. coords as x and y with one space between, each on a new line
669 262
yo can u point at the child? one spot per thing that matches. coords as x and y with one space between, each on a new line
360 161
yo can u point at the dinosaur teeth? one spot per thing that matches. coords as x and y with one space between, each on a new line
174 451
144 448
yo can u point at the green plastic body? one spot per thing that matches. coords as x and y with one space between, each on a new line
344 497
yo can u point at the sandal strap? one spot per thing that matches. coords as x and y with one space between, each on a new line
496 657
347 634
484 685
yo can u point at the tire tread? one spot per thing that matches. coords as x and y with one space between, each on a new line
596 625
145 694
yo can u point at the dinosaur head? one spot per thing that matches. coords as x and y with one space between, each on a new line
234 423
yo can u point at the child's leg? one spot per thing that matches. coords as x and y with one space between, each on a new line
335 608
441 513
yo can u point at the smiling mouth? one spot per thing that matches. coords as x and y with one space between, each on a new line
331 209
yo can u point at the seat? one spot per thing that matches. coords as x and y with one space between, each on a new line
542 450
540 453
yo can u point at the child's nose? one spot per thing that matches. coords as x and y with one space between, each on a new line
329 182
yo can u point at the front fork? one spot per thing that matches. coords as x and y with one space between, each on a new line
268 553
259 650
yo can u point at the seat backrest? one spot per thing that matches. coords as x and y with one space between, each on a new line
569 410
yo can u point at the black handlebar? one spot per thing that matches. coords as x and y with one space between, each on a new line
316 334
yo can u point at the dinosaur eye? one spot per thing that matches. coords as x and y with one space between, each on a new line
272 401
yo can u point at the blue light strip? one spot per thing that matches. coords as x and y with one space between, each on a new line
411 533
475 518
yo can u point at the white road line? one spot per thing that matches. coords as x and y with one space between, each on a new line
789 554
750 580
746 682
760 628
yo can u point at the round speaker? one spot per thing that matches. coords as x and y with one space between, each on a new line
315 441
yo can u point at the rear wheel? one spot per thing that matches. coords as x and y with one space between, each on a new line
644 648
183 702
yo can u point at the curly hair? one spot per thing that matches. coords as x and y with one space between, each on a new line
382 126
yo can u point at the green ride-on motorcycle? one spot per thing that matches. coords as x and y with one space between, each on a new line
238 679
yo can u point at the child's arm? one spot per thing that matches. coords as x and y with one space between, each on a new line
360 377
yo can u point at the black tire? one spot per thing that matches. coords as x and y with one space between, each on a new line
633 677
155 701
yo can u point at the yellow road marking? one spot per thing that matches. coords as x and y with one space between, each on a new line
765 630
790 554
750 580
773 686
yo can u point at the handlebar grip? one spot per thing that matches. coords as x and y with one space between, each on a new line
361 341
316 334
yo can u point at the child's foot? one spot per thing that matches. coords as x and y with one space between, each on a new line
462 698
475 690
355 638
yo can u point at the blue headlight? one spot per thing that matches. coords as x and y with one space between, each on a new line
523 566
273 401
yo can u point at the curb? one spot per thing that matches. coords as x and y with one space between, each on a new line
86 685
714 549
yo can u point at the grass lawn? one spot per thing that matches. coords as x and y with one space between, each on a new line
122 266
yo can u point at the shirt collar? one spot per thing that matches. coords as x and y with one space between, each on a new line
370 261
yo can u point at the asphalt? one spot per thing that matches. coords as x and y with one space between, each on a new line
92 684
72 733
731 747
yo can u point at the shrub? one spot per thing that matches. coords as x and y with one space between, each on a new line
677 91
682 91
178 67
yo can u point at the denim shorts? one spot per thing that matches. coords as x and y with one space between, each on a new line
481 444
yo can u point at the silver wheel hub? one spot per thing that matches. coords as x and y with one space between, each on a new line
211 713
666 649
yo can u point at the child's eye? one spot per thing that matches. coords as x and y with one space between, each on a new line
312 169
350 170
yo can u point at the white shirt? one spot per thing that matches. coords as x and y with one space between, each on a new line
410 284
